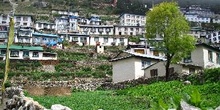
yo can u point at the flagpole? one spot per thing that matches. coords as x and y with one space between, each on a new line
7 61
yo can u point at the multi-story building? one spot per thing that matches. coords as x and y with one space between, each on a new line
132 20
24 35
65 12
20 20
44 26
3 33
129 30
216 19
195 13
95 20
62 25
44 39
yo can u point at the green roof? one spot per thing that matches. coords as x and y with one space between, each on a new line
16 47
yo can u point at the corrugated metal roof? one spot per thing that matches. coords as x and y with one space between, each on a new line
16 47
45 35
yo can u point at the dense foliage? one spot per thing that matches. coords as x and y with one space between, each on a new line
210 93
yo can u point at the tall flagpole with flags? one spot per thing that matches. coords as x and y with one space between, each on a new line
9 42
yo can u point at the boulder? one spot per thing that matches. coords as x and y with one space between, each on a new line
186 106
218 108
59 107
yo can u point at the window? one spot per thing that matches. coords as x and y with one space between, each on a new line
25 53
25 24
106 39
18 18
217 58
17 23
75 38
145 63
187 59
121 39
4 17
96 39
171 70
114 39
3 52
153 73
119 33
25 18
192 70
131 33
14 53
35 54
3 22
210 56
155 53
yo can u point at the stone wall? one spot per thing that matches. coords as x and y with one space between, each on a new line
17 101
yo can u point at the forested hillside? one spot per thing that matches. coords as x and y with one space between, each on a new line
103 7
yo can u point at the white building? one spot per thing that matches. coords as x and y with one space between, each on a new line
97 29
27 52
44 39
62 24
216 19
129 30
20 20
214 37
43 25
3 33
198 18
132 20
65 12
95 20
205 56
129 66
195 13
24 35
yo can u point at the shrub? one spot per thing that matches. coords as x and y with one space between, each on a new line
212 75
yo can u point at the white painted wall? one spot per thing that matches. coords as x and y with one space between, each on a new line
200 57
123 70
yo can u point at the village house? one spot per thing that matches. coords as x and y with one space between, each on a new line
127 19
195 13
44 26
158 69
3 33
129 30
133 65
65 12
129 66
44 39
27 53
24 35
205 56
20 20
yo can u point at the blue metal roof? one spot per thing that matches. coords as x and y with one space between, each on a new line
45 35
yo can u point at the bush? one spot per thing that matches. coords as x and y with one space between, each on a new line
212 75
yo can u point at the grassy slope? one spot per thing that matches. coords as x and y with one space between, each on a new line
135 98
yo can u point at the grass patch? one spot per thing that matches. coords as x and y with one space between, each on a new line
105 100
